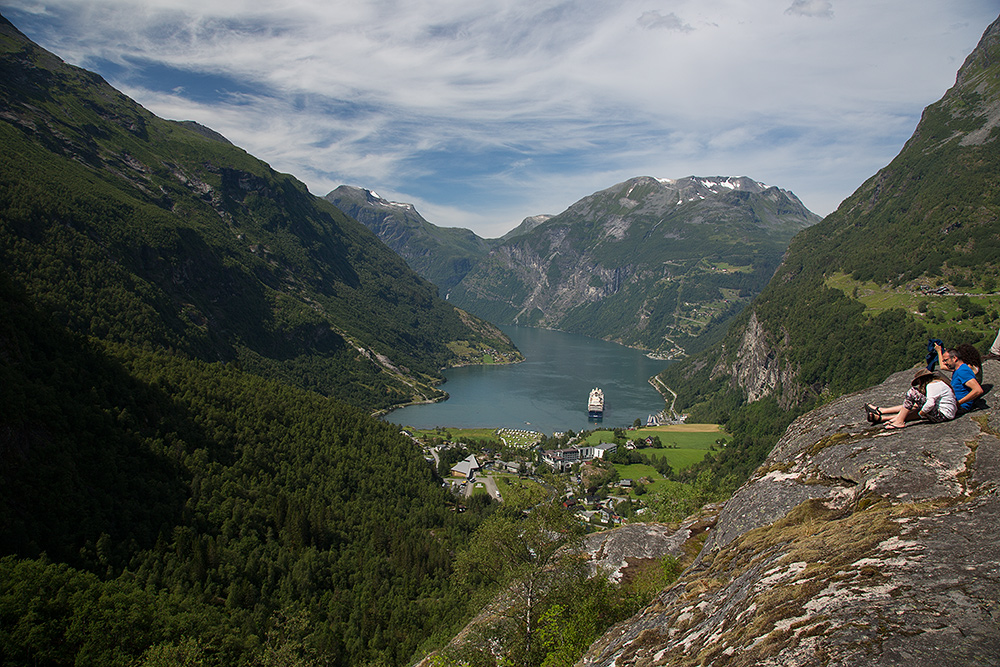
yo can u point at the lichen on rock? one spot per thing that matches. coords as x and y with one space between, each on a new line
851 545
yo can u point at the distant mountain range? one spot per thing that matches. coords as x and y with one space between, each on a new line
441 255
652 263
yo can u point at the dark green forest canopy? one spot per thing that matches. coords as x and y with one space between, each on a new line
209 504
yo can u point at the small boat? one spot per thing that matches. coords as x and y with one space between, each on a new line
595 404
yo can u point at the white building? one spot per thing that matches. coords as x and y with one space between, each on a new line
466 468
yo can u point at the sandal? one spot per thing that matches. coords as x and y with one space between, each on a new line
872 414
889 426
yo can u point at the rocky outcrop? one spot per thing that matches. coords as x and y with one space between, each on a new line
758 369
621 554
851 545
615 553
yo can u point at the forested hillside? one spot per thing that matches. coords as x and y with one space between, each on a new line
180 481
154 505
442 255
914 253
138 230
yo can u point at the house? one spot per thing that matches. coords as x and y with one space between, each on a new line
508 466
466 468
570 455
553 459
603 449
561 460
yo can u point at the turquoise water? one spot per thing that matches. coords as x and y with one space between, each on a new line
547 392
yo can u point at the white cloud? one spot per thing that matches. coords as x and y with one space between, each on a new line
484 113
654 20
814 8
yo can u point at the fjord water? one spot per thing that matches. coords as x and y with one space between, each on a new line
548 391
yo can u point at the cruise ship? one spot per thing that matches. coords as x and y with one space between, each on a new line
595 404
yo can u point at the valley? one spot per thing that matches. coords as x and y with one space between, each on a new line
204 459
513 463
657 264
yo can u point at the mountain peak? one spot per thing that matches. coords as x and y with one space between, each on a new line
714 183
370 197
634 248
698 188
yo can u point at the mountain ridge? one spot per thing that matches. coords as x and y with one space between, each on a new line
649 262
224 258
442 255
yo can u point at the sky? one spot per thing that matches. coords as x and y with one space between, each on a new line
483 113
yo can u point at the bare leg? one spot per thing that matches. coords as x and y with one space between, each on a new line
899 419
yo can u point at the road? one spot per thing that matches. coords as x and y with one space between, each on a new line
489 483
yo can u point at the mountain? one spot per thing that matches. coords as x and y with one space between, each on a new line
911 254
442 255
133 229
651 263
851 544
526 226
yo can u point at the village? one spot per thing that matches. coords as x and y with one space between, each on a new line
601 475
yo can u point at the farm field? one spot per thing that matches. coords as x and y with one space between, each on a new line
683 444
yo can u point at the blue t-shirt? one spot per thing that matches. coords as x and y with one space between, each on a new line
959 377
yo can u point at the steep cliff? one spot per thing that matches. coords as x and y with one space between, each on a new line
850 545
758 369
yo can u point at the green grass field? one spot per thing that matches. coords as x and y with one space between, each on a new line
679 459
691 436
941 310
637 471
517 491
683 444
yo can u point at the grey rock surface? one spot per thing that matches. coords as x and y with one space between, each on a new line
614 551
851 545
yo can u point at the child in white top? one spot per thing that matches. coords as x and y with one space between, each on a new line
930 397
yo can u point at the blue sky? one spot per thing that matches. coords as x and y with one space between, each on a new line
483 113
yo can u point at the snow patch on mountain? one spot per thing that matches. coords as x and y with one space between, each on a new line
375 198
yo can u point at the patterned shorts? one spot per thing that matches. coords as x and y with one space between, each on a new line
915 400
